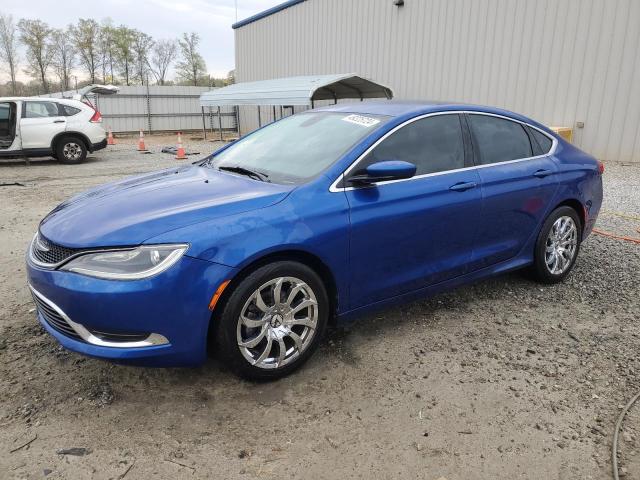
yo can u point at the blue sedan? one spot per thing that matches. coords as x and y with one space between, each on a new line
318 217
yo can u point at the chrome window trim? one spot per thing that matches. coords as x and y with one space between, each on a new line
334 186
153 339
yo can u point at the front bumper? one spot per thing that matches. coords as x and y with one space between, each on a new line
170 308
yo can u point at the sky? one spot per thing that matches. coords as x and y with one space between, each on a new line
212 19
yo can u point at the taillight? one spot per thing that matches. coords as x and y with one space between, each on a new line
600 167
97 118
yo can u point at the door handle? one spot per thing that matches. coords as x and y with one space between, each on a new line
542 173
463 186
59 121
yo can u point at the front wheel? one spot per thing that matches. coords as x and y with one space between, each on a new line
273 320
71 150
558 245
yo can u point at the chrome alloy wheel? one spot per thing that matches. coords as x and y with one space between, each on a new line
277 323
72 151
561 246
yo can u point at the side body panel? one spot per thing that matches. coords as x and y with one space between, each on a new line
38 132
409 234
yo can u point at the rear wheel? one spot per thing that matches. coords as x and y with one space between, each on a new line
558 245
71 150
273 321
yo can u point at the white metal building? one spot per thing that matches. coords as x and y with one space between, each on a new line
572 63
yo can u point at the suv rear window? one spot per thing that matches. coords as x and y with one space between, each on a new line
68 110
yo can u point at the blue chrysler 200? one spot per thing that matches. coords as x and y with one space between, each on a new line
319 216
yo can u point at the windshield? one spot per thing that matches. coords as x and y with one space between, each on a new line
297 148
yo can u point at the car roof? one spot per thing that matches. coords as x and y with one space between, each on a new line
400 108
68 101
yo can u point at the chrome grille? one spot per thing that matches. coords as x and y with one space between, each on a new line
54 319
49 253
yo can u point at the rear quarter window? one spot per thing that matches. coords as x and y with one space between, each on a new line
68 110
543 141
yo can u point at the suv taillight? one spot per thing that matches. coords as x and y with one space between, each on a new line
601 167
97 118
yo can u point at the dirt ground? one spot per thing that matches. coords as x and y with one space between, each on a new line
502 379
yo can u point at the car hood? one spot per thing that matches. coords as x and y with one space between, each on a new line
130 211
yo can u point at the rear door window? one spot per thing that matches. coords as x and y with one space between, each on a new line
41 109
499 140
433 144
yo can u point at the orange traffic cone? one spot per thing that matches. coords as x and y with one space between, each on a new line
110 140
180 153
141 147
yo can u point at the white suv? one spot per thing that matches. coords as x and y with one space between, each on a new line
63 128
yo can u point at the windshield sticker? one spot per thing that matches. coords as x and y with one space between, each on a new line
361 120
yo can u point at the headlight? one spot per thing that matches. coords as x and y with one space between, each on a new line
129 264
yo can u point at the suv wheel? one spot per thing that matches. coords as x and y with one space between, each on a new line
557 246
273 321
71 150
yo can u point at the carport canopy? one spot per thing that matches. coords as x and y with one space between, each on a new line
303 90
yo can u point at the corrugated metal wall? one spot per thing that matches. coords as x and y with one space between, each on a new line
558 61
160 108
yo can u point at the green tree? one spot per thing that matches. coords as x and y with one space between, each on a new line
107 50
123 42
191 67
142 44
86 35
36 36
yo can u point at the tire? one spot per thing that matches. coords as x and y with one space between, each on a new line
557 246
262 325
70 150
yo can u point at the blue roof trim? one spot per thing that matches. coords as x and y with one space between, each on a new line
266 13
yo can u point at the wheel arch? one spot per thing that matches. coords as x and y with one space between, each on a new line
577 206
296 255
61 135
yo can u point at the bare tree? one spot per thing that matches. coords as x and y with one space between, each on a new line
142 44
64 54
192 66
123 41
85 35
162 56
36 36
9 48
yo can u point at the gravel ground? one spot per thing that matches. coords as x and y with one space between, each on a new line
502 379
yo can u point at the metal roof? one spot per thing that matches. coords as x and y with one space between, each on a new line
296 91
266 13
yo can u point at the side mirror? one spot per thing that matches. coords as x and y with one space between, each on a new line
384 171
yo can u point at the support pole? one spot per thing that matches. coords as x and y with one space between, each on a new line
220 122
274 113
148 107
236 111
281 112
259 118
204 124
